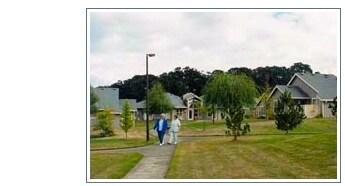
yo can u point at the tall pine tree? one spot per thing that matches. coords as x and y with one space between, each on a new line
289 115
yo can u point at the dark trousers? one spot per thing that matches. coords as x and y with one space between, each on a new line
160 136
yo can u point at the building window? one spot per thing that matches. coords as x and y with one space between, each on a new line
179 112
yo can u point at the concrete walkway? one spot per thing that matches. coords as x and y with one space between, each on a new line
154 164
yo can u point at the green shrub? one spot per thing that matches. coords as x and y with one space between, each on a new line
104 123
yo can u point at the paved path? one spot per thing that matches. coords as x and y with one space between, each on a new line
154 164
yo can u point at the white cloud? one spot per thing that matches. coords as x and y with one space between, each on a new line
209 41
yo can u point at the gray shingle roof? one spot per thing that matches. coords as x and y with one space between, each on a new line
296 92
141 104
325 84
108 98
176 101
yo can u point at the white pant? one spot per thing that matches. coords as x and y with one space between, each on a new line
173 136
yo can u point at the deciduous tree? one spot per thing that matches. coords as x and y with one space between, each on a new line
93 100
126 117
159 101
231 92
104 123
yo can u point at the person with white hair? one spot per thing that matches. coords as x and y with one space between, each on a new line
161 126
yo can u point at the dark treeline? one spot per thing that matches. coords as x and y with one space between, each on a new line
183 80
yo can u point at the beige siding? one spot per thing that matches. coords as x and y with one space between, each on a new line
327 113
180 112
311 111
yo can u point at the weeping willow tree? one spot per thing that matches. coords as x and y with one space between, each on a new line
231 92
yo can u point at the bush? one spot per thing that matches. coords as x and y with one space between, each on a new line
105 119
247 116
107 134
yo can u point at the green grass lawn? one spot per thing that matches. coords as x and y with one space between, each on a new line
114 142
136 137
308 152
196 128
112 165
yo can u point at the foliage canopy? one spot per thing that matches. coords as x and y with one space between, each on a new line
230 92
126 117
159 101
105 120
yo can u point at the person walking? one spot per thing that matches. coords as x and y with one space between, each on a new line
174 128
161 126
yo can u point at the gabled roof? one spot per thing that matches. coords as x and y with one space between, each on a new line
190 95
176 101
108 98
132 103
295 91
324 84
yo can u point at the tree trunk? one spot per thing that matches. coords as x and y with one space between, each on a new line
286 132
126 135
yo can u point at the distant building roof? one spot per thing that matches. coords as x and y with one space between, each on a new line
176 101
132 103
141 104
108 98
190 95
324 84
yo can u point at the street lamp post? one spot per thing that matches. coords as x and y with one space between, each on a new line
147 95
193 105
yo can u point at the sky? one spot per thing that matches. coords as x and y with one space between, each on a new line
207 41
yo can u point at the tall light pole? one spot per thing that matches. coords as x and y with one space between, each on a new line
147 94
193 105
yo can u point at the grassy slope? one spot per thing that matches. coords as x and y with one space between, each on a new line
307 152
